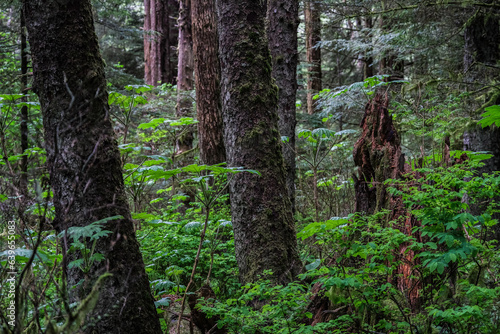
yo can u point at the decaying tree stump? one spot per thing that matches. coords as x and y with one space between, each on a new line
378 156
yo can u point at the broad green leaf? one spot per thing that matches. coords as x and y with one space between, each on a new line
313 265
491 116
138 89
11 97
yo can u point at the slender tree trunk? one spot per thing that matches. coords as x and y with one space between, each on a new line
23 184
312 15
261 210
283 20
159 65
207 80
366 23
84 163
185 71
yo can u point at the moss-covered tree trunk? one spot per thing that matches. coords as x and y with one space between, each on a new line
283 19
261 209
207 81
84 163
158 54
312 17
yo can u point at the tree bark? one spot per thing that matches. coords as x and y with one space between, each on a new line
185 68
261 210
366 23
283 20
312 16
159 63
23 182
481 54
378 156
482 48
207 81
84 163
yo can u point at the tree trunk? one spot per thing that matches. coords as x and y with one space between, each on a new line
481 54
262 218
482 48
207 80
185 71
23 182
159 67
312 16
366 23
84 163
283 20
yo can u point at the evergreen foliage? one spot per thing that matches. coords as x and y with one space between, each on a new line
354 264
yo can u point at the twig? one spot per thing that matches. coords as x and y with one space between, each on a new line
202 238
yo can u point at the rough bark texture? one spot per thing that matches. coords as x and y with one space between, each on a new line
185 71
185 67
261 210
207 80
283 20
378 156
84 163
160 62
312 16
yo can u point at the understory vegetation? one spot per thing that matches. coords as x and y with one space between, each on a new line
351 260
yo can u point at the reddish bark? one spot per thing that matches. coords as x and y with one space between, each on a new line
160 36
207 79
312 17
185 72
378 156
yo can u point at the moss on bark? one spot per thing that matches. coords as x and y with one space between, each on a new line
84 163
261 208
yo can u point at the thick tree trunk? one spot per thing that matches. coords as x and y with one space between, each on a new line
312 16
185 71
283 19
481 54
159 66
261 210
482 40
482 48
84 163
207 80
